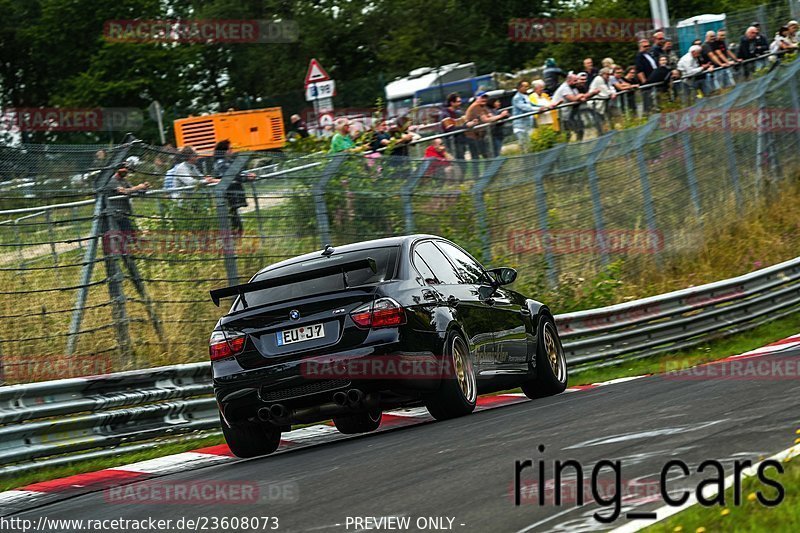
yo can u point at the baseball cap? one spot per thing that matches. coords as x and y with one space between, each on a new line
792 22
480 93
755 23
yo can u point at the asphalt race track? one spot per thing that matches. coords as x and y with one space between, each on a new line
464 469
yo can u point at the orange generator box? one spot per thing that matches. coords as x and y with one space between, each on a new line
256 129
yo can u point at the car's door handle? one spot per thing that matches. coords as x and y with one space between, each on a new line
452 301
525 311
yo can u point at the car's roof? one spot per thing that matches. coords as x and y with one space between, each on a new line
353 247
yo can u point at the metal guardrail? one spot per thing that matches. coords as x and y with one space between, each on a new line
41 422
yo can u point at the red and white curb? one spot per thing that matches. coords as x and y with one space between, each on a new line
37 494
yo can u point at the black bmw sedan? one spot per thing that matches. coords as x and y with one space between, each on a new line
348 332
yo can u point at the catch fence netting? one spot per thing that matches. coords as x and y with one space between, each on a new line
88 286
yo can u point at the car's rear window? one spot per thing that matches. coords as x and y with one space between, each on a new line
385 260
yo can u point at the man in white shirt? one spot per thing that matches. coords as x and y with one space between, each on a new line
185 173
568 92
692 71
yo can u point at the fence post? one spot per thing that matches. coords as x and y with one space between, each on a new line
594 187
258 214
223 213
539 172
408 190
691 176
480 205
795 107
90 254
730 149
318 191
644 178
49 221
115 289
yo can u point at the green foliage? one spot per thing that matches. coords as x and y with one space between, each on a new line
544 138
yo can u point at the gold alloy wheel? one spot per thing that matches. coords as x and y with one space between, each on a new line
555 354
463 369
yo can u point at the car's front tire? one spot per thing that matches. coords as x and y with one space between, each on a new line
251 439
458 392
551 364
358 422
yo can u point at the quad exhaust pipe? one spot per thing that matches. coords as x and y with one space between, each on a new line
343 402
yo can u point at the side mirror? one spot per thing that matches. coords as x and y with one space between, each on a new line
504 275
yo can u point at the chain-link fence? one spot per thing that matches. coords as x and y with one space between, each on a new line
108 282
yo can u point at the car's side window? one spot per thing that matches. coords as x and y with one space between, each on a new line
437 262
425 271
470 270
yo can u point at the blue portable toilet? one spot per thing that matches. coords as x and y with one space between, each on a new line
696 27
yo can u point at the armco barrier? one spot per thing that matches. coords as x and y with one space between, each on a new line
43 421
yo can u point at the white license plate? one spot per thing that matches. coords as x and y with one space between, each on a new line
305 333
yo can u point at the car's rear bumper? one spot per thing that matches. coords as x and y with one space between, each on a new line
313 381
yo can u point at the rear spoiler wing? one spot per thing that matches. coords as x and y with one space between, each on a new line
314 273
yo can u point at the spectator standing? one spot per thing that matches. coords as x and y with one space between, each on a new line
234 195
571 117
442 162
672 57
552 75
541 100
453 120
605 93
752 45
644 62
692 71
298 128
793 26
185 173
708 54
629 83
498 128
401 136
341 140
120 190
521 104
478 113
657 50
782 42
661 77
645 65
590 70
380 137
726 57
607 63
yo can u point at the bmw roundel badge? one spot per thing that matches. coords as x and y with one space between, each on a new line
294 314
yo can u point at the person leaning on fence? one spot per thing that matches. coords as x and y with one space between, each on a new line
669 53
793 30
751 47
119 191
452 119
521 104
645 64
571 117
441 161
552 75
542 101
782 43
692 71
185 173
234 195
605 93
479 112
342 141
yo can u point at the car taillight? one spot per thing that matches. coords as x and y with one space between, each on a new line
382 313
225 344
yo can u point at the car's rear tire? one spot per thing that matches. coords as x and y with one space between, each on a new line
551 364
251 439
458 392
358 422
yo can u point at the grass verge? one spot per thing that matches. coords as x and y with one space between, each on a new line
751 515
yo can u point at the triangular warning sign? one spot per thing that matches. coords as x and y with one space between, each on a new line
316 73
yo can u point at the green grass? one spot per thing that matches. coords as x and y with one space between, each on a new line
751 515
733 345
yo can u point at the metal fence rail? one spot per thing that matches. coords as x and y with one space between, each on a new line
41 422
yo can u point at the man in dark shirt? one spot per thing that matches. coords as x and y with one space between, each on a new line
657 50
590 70
452 120
645 65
